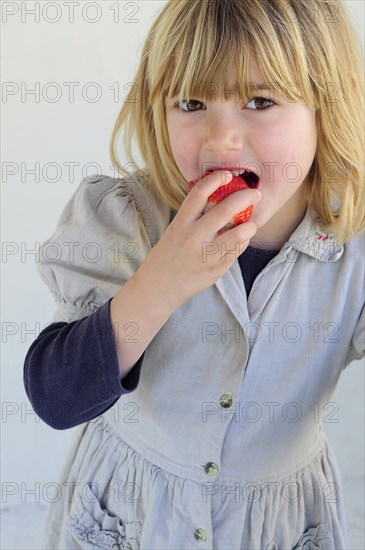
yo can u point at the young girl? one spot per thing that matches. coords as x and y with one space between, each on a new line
199 363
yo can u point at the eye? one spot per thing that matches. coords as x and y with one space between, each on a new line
260 102
191 105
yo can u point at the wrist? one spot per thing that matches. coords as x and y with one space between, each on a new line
152 290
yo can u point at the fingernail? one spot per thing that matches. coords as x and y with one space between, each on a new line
259 194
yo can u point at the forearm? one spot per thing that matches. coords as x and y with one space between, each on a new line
137 313
71 371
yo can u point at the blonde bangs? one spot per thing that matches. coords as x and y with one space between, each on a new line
202 58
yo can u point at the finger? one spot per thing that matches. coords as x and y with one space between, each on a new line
221 214
229 245
233 242
196 200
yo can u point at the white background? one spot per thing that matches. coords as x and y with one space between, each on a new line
36 129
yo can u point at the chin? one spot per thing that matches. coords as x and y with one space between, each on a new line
260 218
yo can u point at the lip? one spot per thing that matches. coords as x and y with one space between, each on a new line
235 168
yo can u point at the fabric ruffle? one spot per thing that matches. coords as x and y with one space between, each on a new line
120 500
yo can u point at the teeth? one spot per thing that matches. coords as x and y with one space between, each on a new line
239 172
235 172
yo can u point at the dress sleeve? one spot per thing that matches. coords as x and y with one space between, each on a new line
357 348
98 244
71 371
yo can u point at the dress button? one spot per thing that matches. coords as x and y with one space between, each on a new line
211 469
226 400
200 534
271 546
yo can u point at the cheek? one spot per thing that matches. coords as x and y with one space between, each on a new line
292 144
183 146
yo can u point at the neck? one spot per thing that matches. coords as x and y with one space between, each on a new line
276 232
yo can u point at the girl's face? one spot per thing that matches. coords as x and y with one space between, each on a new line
274 137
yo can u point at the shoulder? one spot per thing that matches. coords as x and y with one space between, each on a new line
353 256
137 183
131 199
356 243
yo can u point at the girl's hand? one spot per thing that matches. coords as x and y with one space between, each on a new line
191 255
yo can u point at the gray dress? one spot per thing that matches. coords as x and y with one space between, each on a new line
221 445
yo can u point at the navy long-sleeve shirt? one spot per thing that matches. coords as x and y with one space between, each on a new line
71 371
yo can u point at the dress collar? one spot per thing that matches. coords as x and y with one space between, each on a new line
310 240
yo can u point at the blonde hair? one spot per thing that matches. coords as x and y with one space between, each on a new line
194 45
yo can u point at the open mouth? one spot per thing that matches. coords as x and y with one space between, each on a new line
250 178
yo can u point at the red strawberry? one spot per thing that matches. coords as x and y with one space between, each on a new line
236 184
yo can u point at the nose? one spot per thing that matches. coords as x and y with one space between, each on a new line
224 131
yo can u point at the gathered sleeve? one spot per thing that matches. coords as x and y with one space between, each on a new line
98 244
